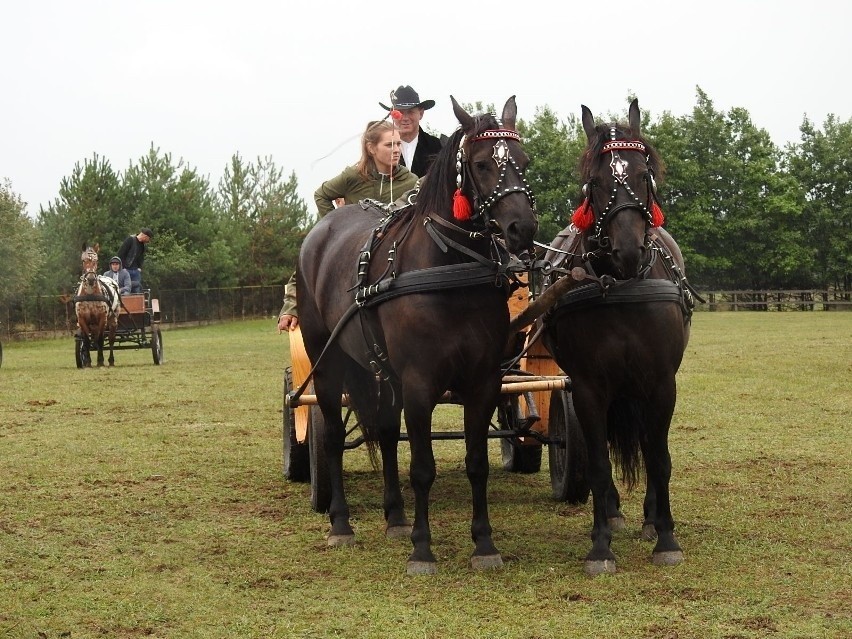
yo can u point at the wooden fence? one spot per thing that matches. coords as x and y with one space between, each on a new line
794 300
54 314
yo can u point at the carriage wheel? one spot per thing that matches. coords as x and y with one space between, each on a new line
569 459
157 345
320 483
517 457
297 465
81 354
1 354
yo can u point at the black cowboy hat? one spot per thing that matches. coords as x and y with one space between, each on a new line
405 98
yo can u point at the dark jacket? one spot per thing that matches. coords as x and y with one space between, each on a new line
428 147
120 277
132 253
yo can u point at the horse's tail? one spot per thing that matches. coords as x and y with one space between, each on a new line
626 425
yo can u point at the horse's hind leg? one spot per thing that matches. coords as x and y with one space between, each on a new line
613 509
328 382
380 421
111 345
398 524
649 508
418 412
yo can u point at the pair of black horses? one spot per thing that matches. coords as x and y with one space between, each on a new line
397 309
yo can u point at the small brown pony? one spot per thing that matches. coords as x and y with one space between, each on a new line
96 305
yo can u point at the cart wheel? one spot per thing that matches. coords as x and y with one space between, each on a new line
81 354
297 465
568 460
517 457
157 345
320 483
1 354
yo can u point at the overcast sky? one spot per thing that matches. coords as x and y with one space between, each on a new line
203 80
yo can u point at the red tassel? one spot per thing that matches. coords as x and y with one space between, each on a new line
583 217
461 206
657 217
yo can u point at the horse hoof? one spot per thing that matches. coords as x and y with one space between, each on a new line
486 562
421 568
600 567
617 524
649 533
338 541
667 558
398 532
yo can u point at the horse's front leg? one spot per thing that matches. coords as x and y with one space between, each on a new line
478 408
418 422
592 412
87 345
101 333
658 465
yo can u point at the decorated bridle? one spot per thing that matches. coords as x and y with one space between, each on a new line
584 217
462 208
89 259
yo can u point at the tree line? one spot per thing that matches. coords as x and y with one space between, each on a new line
746 213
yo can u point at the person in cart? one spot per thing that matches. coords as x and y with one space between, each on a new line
119 274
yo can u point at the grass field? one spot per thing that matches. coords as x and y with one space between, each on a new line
148 501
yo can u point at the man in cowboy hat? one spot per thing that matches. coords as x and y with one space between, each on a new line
419 149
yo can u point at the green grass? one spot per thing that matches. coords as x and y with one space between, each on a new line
148 501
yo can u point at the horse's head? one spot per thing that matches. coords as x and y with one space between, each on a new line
89 259
489 174
620 205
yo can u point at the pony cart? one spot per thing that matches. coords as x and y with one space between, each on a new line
138 327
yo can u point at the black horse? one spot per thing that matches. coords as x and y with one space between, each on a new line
621 329
399 305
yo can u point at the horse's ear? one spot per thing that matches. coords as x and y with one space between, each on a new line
635 118
588 122
464 118
510 113
97 247
83 250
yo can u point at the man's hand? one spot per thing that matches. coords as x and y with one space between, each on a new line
287 323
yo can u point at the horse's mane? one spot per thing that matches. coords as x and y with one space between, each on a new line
590 159
437 188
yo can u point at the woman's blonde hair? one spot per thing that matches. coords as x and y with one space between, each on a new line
372 134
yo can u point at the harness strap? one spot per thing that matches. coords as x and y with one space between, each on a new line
626 292
436 278
90 298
